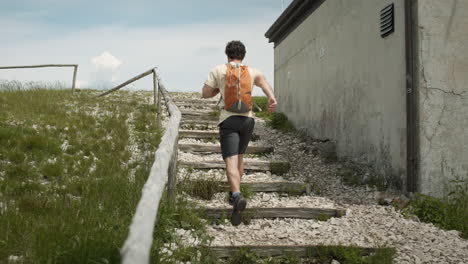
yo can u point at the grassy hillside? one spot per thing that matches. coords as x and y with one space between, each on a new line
71 172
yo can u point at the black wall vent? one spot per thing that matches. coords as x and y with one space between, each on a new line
387 21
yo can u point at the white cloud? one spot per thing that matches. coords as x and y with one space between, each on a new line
106 61
81 84
104 73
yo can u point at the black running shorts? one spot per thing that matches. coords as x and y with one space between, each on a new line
234 134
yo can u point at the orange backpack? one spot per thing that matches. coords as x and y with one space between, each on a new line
238 89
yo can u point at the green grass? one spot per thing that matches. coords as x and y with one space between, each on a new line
244 256
450 212
323 217
215 113
71 172
351 255
280 168
247 191
201 188
275 120
179 215
319 254
262 102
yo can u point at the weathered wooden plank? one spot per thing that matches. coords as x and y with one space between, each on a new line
157 97
277 186
136 248
148 72
276 167
38 66
199 122
217 149
277 212
198 112
272 251
75 71
198 134
291 188
198 106
195 101
205 134
197 118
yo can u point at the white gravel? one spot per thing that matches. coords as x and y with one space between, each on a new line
220 174
216 142
269 200
200 157
364 226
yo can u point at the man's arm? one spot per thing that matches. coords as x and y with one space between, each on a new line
208 91
261 82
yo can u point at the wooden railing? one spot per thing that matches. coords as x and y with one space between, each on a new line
75 69
137 246
156 89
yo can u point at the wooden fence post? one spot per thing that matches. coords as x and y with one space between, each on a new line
172 174
157 97
155 90
75 70
75 66
136 78
159 107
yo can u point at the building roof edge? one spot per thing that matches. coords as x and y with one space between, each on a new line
294 14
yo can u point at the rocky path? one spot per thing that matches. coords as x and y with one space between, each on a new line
291 189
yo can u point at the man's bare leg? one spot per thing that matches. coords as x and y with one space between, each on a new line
232 172
240 165
234 179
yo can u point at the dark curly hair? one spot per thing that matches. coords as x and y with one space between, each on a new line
235 50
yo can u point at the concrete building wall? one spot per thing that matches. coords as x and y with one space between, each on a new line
337 79
443 93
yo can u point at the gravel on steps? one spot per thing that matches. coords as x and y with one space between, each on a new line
366 223
216 142
266 200
220 175
364 226
199 157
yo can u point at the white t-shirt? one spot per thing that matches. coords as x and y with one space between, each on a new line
216 79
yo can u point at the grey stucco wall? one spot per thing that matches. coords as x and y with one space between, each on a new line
337 79
443 93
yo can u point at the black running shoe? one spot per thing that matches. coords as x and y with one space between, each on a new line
231 199
239 205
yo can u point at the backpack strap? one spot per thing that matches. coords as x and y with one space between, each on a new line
221 95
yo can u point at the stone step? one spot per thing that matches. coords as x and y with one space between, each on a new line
276 167
276 212
277 250
217 149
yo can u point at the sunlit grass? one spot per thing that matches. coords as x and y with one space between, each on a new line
71 172
274 120
449 212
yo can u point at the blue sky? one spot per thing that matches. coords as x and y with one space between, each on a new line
185 39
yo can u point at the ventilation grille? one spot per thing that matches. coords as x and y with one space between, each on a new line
387 18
